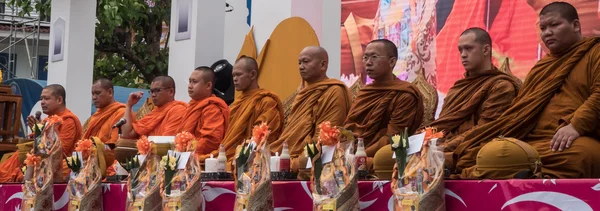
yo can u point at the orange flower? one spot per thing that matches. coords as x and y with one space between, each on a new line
182 141
328 135
143 145
85 147
260 132
431 133
32 160
54 119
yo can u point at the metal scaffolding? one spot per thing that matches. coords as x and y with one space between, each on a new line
22 30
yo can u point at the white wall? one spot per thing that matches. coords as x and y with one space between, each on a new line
236 28
266 15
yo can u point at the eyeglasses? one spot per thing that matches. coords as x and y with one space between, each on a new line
157 90
372 58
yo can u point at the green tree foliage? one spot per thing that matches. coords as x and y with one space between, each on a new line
128 35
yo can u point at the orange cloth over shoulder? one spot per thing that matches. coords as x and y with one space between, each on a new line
162 121
327 100
100 125
207 120
69 132
250 109
384 109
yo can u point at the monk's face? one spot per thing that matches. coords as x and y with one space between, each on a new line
378 63
51 104
557 33
312 66
161 94
472 53
198 89
243 76
100 96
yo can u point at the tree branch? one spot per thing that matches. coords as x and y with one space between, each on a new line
126 52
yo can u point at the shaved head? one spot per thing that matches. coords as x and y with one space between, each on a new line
208 75
57 90
481 36
566 10
166 81
313 63
249 62
102 93
104 83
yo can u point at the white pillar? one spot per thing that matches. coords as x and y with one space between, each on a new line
204 45
323 15
72 34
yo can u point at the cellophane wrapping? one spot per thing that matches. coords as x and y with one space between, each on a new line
254 191
422 185
39 179
185 186
85 186
143 186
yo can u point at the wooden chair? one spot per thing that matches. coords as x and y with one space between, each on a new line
10 122
5 89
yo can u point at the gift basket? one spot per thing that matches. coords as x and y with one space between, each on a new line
334 174
181 188
85 180
44 167
254 191
145 176
419 183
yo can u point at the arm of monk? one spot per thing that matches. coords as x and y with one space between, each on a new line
127 130
402 116
334 105
212 131
113 136
68 135
270 111
585 118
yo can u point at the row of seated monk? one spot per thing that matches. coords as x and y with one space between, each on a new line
554 113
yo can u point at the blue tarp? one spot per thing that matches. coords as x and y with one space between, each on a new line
32 89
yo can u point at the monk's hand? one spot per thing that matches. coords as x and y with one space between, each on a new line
134 98
563 138
31 121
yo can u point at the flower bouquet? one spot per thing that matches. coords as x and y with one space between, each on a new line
334 174
143 185
44 167
419 183
254 191
85 181
182 188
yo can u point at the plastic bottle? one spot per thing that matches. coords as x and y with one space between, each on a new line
361 155
221 159
284 159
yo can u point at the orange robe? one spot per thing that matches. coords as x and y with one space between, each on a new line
384 109
560 90
328 100
207 120
250 109
474 100
69 132
162 121
100 125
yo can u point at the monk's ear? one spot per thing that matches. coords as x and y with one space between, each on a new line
111 91
60 99
393 61
487 50
254 74
577 26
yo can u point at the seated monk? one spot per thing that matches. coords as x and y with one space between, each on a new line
322 99
558 110
164 120
53 101
254 106
388 105
207 116
481 97
108 113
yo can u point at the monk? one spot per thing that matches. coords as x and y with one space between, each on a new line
108 113
481 97
164 120
207 116
322 99
388 105
253 107
53 102
558 110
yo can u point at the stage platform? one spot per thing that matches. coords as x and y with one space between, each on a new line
579 195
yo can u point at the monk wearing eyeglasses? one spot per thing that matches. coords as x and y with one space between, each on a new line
164 120
388 105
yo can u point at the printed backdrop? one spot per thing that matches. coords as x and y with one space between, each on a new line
426 33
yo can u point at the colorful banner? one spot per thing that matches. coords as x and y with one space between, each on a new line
427 31
466 195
